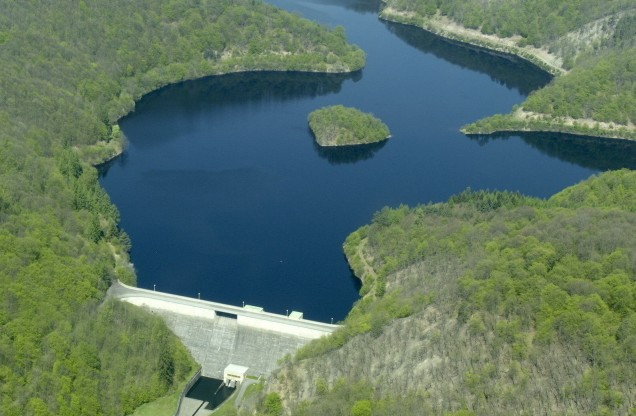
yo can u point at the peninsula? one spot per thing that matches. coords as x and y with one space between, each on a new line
471 306
590 51
344 126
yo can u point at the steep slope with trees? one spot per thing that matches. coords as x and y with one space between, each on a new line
491 303
70 70
594 40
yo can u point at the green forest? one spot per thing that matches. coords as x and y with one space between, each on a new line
591 45
491 303
495 303
70 70
538 22
338 125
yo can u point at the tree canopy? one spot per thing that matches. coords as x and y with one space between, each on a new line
344 126
594 40
70 70
490 303
537 22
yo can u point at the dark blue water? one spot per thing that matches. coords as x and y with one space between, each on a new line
224 192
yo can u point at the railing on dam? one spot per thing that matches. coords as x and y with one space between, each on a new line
202 308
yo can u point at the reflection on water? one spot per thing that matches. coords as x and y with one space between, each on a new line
507 70
120 161
223 192
219 93
348 154
360 6
588 152
241 87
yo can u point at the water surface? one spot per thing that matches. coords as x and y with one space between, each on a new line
225 194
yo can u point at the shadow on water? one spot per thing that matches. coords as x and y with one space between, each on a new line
121 161
222 92
245 87
588 152
348 154
357 283
511 72
210 391
360 6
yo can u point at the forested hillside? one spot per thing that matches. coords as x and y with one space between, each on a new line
490 303
595 40
70 70
570 104
538 22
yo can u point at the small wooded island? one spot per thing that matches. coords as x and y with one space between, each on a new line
345 126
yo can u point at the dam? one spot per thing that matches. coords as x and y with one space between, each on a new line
218 335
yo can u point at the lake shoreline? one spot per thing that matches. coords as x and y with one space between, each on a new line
105 152
526 121
513 122
348 146
450 30
339 126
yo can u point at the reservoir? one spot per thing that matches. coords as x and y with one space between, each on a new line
226 196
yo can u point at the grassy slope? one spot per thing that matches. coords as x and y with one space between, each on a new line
69 70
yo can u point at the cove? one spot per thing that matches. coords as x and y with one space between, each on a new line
225 194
